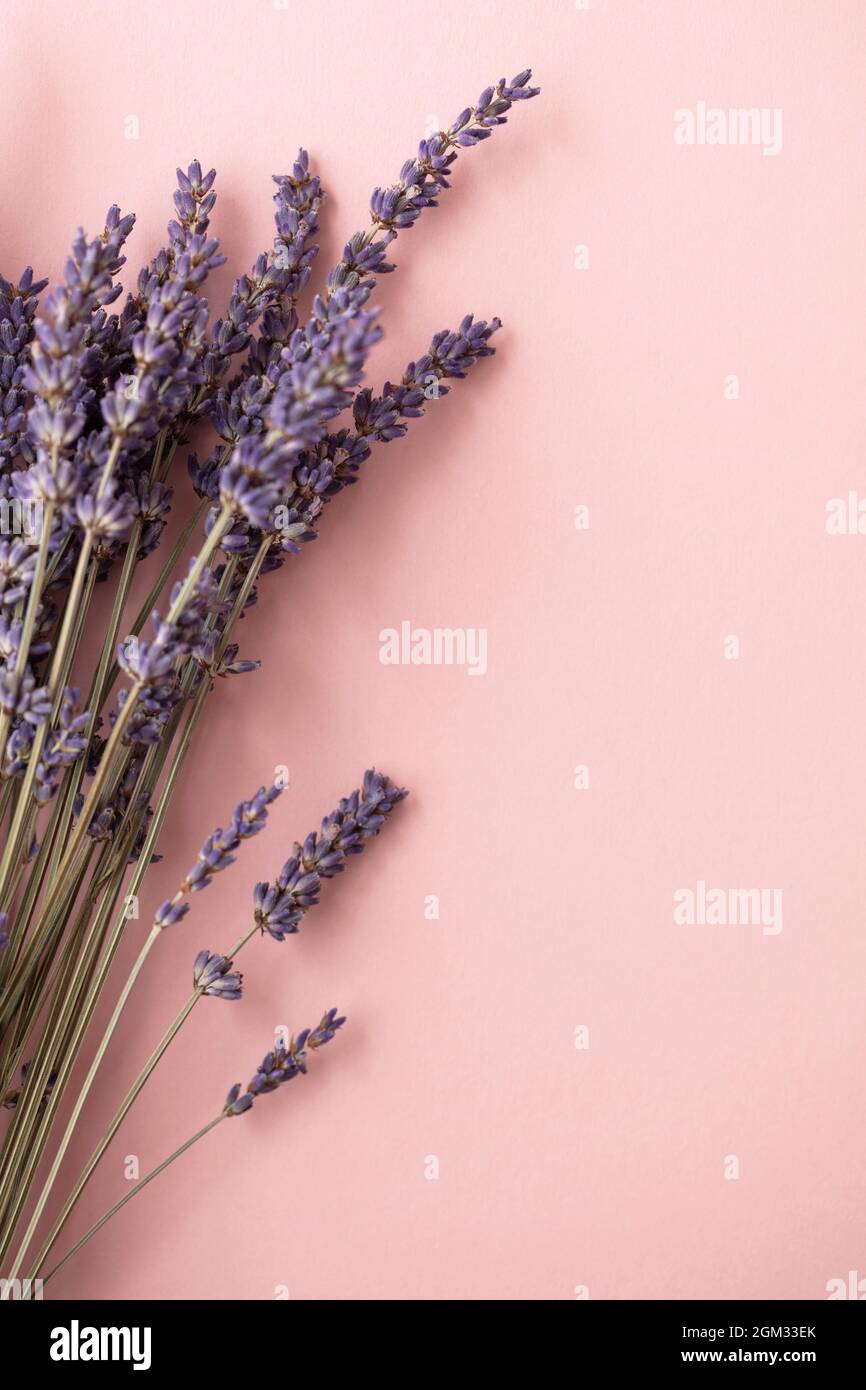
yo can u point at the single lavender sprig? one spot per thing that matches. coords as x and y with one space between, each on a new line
280 907
65 360
238 411
214 975
218 852
283 1063
299 197
423 178
164 323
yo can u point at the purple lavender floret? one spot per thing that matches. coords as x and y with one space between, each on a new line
18 304
218 852
168 913
284 1063
153 662
298 198
213 975
280 907
4 935
12 1097
246 410
65 744
24 698
151 503
315 388
17 563
194 201
65 360
423 178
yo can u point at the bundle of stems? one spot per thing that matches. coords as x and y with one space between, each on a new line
95 409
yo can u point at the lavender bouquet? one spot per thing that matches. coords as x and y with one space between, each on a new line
94 408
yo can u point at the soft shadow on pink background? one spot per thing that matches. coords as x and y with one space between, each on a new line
558 1167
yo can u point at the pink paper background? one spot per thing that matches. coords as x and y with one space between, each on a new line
559 1167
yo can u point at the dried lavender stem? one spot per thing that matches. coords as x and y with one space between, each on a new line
71 615
218 530
33 601
144 857
121 1114
58 885
140 870
99 685
128 1101
76 1015
112 1211
31 1099
151 771
159 583
79 1104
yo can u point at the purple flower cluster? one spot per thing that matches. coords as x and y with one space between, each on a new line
18 304
91 403
94 406
283 1064
66 364
281 483
214 975
323 472
280 907
218 852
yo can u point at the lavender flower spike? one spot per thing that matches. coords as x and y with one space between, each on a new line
218 852
283 1064
280 908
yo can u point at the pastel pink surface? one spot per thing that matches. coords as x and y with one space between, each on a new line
558 1167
